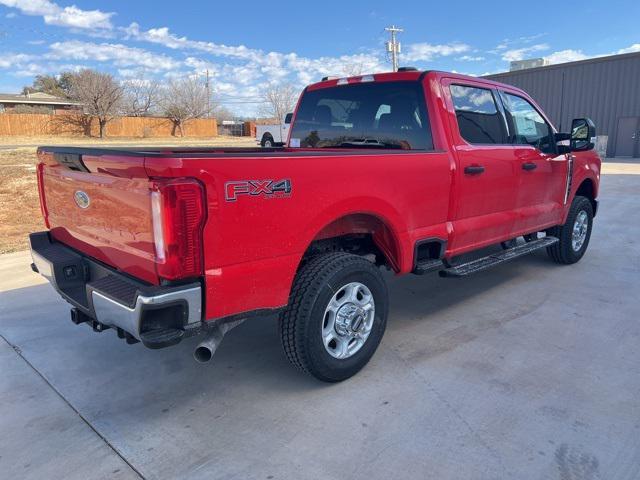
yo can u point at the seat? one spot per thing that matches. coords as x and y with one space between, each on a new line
322 115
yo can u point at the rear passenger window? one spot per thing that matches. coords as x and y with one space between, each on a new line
478 118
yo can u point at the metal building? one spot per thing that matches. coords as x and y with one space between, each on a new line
606 89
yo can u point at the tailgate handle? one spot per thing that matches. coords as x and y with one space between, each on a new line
529 166
73 161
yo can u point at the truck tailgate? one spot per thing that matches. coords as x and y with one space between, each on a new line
100 206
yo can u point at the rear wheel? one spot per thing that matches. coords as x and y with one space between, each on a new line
336 316
267 141
574 235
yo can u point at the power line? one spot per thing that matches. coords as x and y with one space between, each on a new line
393 46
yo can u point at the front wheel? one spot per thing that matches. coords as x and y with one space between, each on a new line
336 316
574 235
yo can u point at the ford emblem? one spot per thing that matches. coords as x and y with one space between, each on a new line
82 199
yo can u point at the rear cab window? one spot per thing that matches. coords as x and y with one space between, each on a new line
387 115
479 120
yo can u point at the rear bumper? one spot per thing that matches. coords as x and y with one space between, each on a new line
104 298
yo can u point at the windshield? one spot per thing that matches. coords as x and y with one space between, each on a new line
364 115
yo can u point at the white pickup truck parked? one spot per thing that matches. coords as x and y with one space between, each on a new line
274 135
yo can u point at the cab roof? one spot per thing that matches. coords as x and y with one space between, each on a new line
415 75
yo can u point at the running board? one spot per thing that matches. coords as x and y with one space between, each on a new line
492 260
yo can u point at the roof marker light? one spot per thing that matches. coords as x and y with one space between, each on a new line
367 78
342 81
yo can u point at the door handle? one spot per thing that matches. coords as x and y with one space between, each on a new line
474 169
529 166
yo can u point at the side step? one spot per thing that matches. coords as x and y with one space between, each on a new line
161 337
492 260
428 265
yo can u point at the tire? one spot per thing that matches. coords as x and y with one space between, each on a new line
565 251
306 323
267 141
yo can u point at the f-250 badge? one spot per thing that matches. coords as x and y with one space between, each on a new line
255 188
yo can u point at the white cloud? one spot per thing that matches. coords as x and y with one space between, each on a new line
425 52
14 60
569 55
524 52
119 54
163 36
54 14
633 48
470 58
564 56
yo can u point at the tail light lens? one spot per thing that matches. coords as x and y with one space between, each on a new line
178 215
43 201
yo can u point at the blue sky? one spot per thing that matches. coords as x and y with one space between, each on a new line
247 45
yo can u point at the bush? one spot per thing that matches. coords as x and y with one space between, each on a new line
30 109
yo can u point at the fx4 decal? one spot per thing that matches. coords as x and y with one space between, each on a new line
266 188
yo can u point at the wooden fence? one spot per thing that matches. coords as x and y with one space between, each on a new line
30 124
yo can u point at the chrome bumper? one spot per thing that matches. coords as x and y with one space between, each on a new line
156 315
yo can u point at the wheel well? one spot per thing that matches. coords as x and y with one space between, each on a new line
360 234
586 189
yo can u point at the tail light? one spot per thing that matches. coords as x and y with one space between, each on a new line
43 201
178 215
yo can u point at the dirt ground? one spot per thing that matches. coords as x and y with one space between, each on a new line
19 204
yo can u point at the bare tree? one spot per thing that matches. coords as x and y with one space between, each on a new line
100 94
279 99
141 97
183 100
353 69
221 113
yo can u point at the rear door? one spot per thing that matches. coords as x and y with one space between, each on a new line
542 173
486 177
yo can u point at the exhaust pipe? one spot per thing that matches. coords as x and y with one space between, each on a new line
206 348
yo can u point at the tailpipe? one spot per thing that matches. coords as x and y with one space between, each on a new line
207 347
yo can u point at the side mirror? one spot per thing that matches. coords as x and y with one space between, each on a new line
287 118
583 135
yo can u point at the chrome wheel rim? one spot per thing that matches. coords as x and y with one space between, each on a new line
579 233
348 320
267 143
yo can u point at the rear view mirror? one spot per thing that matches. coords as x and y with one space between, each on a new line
583 135
287 118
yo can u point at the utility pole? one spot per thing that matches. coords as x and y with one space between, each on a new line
393 46
206 85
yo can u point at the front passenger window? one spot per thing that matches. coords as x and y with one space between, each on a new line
526 124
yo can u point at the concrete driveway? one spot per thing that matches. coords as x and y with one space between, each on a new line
530 370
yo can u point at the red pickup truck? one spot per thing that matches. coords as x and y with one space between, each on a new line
411 171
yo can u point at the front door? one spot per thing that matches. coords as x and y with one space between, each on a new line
627 137
542 172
